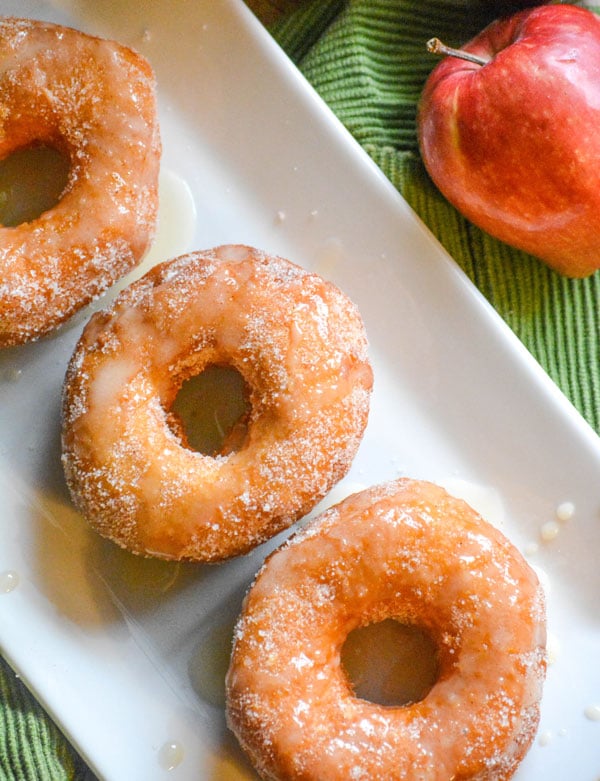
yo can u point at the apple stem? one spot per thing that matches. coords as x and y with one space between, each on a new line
435 46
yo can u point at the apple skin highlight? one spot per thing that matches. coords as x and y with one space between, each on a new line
514 144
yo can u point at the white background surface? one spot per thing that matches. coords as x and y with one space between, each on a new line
129 655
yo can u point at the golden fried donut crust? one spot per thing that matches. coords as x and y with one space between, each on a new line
409 551
93 100
300 345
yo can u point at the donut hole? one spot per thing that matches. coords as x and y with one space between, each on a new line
390 663
32 181
212 409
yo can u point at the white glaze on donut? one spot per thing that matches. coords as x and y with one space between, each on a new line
93 100
404 550
300 346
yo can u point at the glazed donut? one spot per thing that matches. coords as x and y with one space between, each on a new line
405 550
300 346
94 101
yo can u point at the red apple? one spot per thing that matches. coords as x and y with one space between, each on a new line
513 141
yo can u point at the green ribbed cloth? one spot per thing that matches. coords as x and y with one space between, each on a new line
367 59
31 747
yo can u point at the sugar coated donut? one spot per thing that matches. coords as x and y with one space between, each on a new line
404 550
94 101
300 346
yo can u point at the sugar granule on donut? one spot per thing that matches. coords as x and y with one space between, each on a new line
300 345
94 101
407 551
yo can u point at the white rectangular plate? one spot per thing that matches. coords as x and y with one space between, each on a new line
129 655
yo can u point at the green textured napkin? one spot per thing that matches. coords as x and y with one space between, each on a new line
367 59
31 747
